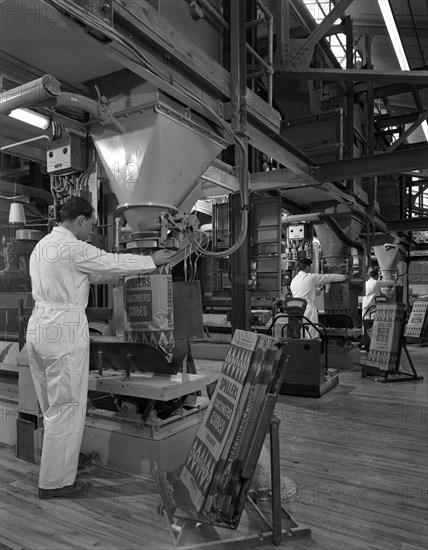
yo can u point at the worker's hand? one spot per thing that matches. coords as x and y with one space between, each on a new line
162 256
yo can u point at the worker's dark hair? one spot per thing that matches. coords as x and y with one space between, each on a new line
302 263
374 273
74 207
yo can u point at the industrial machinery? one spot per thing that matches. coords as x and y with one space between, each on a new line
132 154
309 374
175 102
278 237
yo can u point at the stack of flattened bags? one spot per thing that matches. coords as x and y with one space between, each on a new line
219 468
385 341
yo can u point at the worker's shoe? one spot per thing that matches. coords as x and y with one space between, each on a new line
85 460
64 492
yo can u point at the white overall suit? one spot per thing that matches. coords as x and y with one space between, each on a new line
61 269
373 290
304 286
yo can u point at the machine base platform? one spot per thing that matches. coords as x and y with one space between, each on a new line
312 390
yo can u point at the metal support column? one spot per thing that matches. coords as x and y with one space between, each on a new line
349 130
275 480
282 24
373 180
241 299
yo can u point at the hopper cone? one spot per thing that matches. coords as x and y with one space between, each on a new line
155 163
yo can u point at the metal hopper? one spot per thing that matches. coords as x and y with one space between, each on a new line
388 257
338 239
155 164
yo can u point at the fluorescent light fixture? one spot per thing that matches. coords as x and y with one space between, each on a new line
385 8
425 129
30 117
388 17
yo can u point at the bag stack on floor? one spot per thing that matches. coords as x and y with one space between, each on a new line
224 456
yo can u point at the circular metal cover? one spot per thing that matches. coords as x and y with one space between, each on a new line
29 234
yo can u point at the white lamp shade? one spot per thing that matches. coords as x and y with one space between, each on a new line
16 213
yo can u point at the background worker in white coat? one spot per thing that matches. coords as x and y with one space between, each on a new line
62 266
373 290
304 286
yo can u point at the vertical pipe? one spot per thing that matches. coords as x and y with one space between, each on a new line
409 201
402 189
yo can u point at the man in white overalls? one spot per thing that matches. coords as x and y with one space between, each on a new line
304 286
62 266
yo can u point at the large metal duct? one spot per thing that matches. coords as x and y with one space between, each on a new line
30 94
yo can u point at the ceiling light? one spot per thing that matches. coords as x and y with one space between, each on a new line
425 128
388 17
30 117
385 8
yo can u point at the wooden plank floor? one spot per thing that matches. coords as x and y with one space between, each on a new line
358 456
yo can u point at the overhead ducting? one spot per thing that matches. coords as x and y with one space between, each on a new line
46 92
30 94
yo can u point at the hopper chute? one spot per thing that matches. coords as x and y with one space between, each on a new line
388 256
336 230
154 166
336 244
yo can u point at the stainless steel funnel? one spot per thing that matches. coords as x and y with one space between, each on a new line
154 165
388 256
335 251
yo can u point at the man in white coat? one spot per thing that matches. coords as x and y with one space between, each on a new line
373 290
62 266
304 286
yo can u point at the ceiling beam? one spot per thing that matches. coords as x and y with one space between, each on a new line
373 165
20 73
14 131
412 224
180 61
408 132
405 30
383 121
354 75
303 17
219 178
308 45
298 169
387 90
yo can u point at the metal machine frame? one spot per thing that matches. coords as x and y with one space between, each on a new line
281 524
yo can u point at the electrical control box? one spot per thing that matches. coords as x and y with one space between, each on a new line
296 231
66 156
